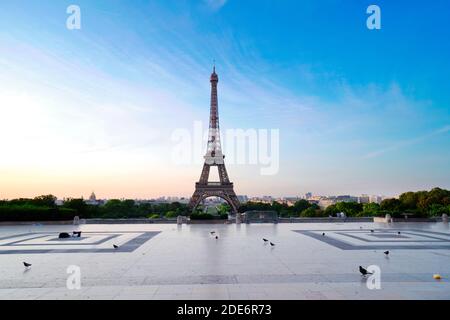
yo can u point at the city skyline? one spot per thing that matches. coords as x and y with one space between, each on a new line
248 197
358 111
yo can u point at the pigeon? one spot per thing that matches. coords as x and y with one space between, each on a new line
399 232
63 235
364 271
217 237
323 234
115 246
212 232
272 244
386 252
265 240
27 265
372 231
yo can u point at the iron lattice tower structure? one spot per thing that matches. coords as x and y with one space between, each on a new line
214 158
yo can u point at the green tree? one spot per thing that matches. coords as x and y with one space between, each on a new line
284 213
45 201
391 205
278 207
437 210
351 209
331 210
77 204
115 208
223 208
409 200
312 212
301 205
171 214
371 209
249 206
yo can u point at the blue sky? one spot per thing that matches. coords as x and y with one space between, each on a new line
359 111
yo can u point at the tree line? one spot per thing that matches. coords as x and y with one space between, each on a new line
44 208
418 204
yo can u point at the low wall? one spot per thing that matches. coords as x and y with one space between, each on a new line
215 221
19 223
130 221
381 219
324 220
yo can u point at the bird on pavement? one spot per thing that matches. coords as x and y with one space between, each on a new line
272 244
115 246
212 232
323 234
386 252
372 231
364 271
77 234
265 240
217 237
27 265
399 232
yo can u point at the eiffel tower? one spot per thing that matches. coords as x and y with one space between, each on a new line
214 158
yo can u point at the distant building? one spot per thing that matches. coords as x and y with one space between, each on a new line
375 199
242 198
177 199
315 198
364 198
290 201
308 195
184 200
346 198
326 202
213 201
161 200
264 199
92 201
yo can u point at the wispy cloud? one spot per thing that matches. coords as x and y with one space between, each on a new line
114 101
406 143
215 4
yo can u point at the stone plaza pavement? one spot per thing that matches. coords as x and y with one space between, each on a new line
187 262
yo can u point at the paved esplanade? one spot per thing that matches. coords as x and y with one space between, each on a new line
170 262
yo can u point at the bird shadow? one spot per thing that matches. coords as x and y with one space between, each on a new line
26 270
